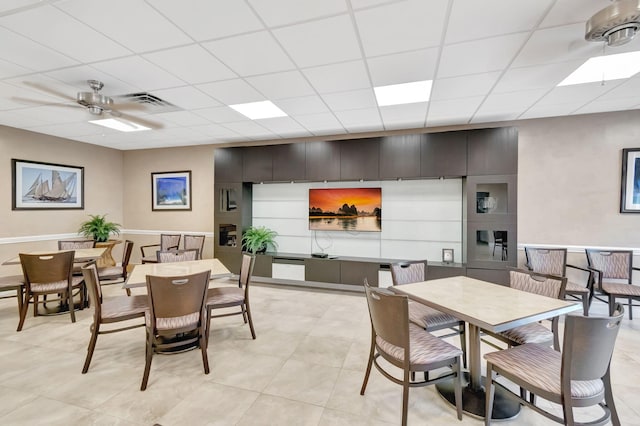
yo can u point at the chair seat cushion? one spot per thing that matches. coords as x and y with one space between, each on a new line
529 333
539 366
55 286
621 289
110 271
224 296
429 318
172 323
124 307
425 348
576 288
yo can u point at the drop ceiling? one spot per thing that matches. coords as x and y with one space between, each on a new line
317 60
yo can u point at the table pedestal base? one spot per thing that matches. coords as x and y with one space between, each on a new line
473 401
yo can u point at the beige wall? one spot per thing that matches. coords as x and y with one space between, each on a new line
103 172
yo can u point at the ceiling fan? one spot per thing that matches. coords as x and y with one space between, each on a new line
95 102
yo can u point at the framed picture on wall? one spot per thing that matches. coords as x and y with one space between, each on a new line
46 186
630 191
171 191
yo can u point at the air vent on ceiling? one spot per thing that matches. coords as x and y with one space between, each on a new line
152 103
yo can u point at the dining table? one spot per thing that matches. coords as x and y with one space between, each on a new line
138 277
483 306
11 279
82 255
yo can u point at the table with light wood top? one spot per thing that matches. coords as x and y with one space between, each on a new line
80 255
138 277
487 306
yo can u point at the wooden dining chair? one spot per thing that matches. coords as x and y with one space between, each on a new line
176 317
49 273
194 242
117 273
109 310
166 256
408 347
167 242
577 377
614 275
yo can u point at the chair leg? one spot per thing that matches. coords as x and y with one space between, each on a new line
35 304
23 312
612 302
148 358
208 326
95 330
608 399
463 343
490 394
630 308
244 313
405 397
567 409
203 349
248 315
585 304
128 292
72 308
458 388
369 364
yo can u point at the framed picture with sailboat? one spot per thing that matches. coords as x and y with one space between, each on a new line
46 186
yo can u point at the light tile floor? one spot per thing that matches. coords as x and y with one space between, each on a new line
305 368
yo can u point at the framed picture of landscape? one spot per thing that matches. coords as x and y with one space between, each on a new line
46 186
171 191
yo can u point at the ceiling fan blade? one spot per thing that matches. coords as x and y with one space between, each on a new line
49 90
141 121
40 103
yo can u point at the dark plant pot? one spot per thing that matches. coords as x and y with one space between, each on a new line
262 250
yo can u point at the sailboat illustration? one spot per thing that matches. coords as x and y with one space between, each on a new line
60 190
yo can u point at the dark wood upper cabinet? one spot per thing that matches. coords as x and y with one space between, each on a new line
443 154
322 160
493 152
400 156
228 164
289 162
257 164
360 159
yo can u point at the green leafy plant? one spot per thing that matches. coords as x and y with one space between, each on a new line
258 239
98 228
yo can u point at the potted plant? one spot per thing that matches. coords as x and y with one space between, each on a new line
98 228
257 239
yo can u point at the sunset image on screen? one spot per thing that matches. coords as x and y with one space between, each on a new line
345 209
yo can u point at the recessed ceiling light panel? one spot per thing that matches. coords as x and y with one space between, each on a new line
258 110
406 93
119 124
605 68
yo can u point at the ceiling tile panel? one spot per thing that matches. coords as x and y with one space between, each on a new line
8 6
472 19
251 129
231 92
192 63
221 114
447 112
187 97
284 126
403 67
609 105
465 86
517 102
289 84
77 77
29 54
320 42
578 93
182 118
408 116
572 11
539 111
303 105
215 131
251 54
361 120
357 99
139 27
536 77
36 24
403 26
284 12
140 73
209 19
7 69
321 124
338 77
625 89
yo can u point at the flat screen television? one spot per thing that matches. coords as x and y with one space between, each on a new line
345 209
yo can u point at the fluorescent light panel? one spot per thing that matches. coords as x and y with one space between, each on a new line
121 125
407 93
258 110
605 68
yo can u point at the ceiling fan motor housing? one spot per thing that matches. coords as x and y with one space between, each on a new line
94 101
617 24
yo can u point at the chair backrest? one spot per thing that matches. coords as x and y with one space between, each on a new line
542 284
76 244
194 242
408 272
613 264
588 345
389 315
126 253
246 269
177 302
545 260
92 281
47 267
169 241
500 236
176 255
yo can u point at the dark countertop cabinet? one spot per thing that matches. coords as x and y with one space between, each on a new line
323 160
359 159
289 162
492 152
443 154
257 164
400 156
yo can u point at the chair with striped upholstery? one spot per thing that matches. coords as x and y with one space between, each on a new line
109 310
408 347
167 242
553 261
177 255
544 285
427 317
176 316
577 377
614 275
194 242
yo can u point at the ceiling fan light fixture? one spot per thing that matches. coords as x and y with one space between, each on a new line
616 24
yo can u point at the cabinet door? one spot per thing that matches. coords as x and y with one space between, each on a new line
257 164
354 273
400 156
443 154
359 159
228 164
322 270
289 162
323 160
493 152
